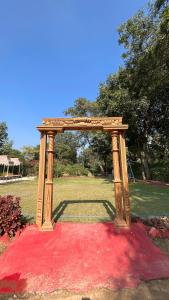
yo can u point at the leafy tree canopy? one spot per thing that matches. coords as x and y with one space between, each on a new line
139 91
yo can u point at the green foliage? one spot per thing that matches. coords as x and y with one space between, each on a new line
160 171
97 157
30 152
66 146
98 142
139 91
160 4
58 169
82 108
76 170
5 144
95 167
29 156
136 168
69 169
3 133
146 40
31 168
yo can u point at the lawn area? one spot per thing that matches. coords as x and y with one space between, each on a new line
90 199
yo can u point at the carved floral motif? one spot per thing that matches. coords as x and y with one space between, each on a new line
83 121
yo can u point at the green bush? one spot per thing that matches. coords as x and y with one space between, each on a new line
58 169
76 170
160 171
30 168
61 169
136 168
95 168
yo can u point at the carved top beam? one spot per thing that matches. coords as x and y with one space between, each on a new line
61 124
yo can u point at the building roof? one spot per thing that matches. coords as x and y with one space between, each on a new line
4 160
15 161
7 161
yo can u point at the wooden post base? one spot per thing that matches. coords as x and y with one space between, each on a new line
120 223
47 226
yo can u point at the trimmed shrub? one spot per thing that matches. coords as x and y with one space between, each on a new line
10 215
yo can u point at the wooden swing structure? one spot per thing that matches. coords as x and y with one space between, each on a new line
53 126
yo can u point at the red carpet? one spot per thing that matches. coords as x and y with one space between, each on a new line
80 257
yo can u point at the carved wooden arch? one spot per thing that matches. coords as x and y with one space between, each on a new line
48 130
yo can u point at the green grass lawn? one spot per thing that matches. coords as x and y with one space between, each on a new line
90 199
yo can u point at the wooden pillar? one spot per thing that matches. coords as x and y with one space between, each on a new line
41 180
3 169
48 225
12 167
7 170
125 186
117 179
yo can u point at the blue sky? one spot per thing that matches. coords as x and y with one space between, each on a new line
52 52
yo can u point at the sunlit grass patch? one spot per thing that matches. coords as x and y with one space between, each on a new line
90 196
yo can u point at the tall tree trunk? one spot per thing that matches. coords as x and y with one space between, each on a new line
144 162
101 168
105 167
142 168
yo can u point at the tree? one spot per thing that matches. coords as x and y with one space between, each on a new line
146 40
140 90
95 141
66 146
5 144
30 152
115 100
82 108
3 136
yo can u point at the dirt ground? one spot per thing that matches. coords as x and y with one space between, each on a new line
151 290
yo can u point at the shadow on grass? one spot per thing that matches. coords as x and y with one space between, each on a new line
59 210
108 180
149 200
26 219
146 200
